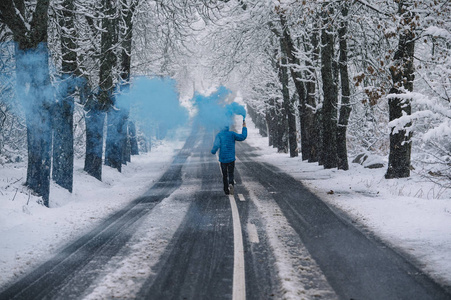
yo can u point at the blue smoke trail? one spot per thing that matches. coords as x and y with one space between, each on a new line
214 112
235 108
153 101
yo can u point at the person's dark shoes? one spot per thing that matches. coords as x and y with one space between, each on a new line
231 189
226 191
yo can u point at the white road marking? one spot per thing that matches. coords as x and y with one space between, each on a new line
253 234
241 197
239 284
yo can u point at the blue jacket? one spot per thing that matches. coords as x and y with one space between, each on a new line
225 142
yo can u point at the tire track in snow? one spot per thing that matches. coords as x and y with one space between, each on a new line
74 268
299 275
127 272
355 265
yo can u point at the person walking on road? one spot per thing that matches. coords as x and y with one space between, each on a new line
225 142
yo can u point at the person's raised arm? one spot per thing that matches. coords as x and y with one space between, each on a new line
243 135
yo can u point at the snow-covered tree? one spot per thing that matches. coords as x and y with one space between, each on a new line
28 24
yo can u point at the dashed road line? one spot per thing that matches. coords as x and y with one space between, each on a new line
241 197
253 234
239 284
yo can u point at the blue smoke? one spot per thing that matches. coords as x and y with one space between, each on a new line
33 86
235 108
214 112
153 102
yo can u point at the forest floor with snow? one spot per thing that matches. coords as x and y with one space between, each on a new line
412 215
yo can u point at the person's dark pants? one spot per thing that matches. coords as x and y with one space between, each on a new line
227 174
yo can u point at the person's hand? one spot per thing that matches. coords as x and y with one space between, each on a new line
244 123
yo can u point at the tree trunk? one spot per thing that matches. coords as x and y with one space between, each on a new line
32 68
305 112
292 131
287 105
95 119
271 122
288 51
313 139
32 71
126 144
134 150
105 98
402 73
128 12
63 141
280 138
114 140
281 142
318 123
269 128
345 108
276 120
94 122
63 122
330 96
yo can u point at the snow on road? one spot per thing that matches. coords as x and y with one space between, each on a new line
295 266
412 214
31 234
128 270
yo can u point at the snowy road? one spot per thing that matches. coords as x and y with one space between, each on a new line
179 241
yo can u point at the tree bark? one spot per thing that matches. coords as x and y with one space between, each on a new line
63 140
271 123
32 70
63 122
126 145
287 105
114 140
276 120
117 138
95 119
313 139
306 106
134 150
330 96
402 73
33 64
318 123
128 12
292 131
281 141
345 108
104 101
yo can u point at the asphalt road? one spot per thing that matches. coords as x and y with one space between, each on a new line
272 240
